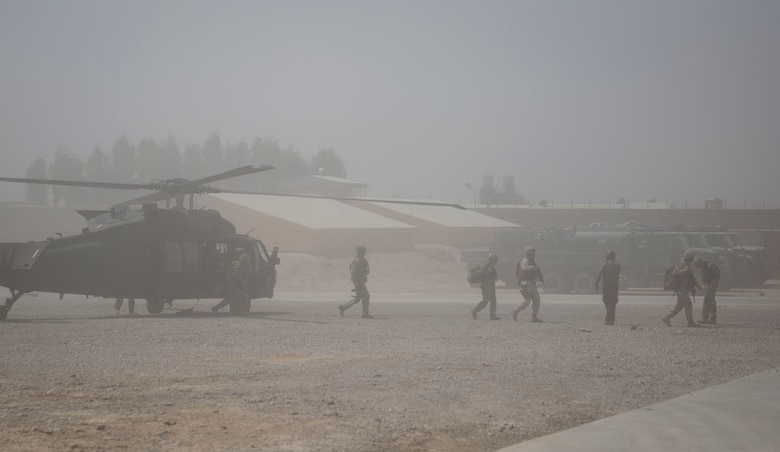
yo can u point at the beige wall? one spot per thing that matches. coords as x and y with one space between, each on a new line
730 218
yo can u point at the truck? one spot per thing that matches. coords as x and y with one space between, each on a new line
570 257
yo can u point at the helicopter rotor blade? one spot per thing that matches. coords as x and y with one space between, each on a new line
114 185
235 172
347 198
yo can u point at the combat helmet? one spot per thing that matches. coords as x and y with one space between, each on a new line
493 257
360 249
689 256
530 251
610 255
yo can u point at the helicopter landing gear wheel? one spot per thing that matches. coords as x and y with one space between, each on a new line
154 305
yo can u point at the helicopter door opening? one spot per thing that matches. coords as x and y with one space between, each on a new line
180 278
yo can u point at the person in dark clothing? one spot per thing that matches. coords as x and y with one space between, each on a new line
610 272
710 277
687 286
528 273
488 285
130 305
358 273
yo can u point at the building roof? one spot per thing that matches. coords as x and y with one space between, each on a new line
313 213
447 216
316 181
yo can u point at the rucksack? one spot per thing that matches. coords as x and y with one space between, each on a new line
671 282
714 271
475 275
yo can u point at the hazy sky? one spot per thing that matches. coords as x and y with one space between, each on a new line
580 100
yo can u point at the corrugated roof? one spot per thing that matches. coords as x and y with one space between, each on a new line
447 216
313 213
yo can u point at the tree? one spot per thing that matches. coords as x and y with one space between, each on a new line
66 166
192 160
37 194
212 154
98 169
330 163
123 164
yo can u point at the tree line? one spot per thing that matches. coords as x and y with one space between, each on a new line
151 160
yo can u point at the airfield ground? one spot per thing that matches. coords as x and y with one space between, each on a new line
293 375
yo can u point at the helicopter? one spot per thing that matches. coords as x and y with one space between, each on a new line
152 253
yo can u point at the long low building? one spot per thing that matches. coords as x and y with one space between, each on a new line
442 224
307 225
326 226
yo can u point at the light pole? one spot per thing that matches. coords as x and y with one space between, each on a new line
468 185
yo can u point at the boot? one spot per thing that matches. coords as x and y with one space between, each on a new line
492 317
536 319
342 308
474 314
366 316
693 324
666 321
712 320
514 314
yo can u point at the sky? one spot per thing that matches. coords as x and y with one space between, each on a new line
579 100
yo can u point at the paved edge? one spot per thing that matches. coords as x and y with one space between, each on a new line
741 415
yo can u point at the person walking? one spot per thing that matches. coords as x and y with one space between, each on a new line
130 306
686 285
358 271
610 271
710 277
489 275
527 275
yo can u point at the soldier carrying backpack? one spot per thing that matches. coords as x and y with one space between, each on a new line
686 286
710 277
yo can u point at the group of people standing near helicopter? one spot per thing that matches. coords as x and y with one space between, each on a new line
528 274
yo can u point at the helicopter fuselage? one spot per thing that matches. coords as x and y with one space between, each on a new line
160 255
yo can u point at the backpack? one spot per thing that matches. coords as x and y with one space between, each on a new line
475 275
714 272
671 282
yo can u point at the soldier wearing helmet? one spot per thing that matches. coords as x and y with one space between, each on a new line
358 272
610 271
688 285
527 275
710 277
488 276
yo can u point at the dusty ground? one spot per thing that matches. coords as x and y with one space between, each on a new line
294 375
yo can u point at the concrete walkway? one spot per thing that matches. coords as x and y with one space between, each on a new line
741 415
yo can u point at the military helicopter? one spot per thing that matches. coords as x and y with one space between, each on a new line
151 253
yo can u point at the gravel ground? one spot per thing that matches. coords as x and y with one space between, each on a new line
293 375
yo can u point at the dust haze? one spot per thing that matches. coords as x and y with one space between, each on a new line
579 101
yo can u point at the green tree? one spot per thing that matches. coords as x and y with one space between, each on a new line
98 169
158 161
212 155
192 161
67 166
123 163
329 162
37 194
